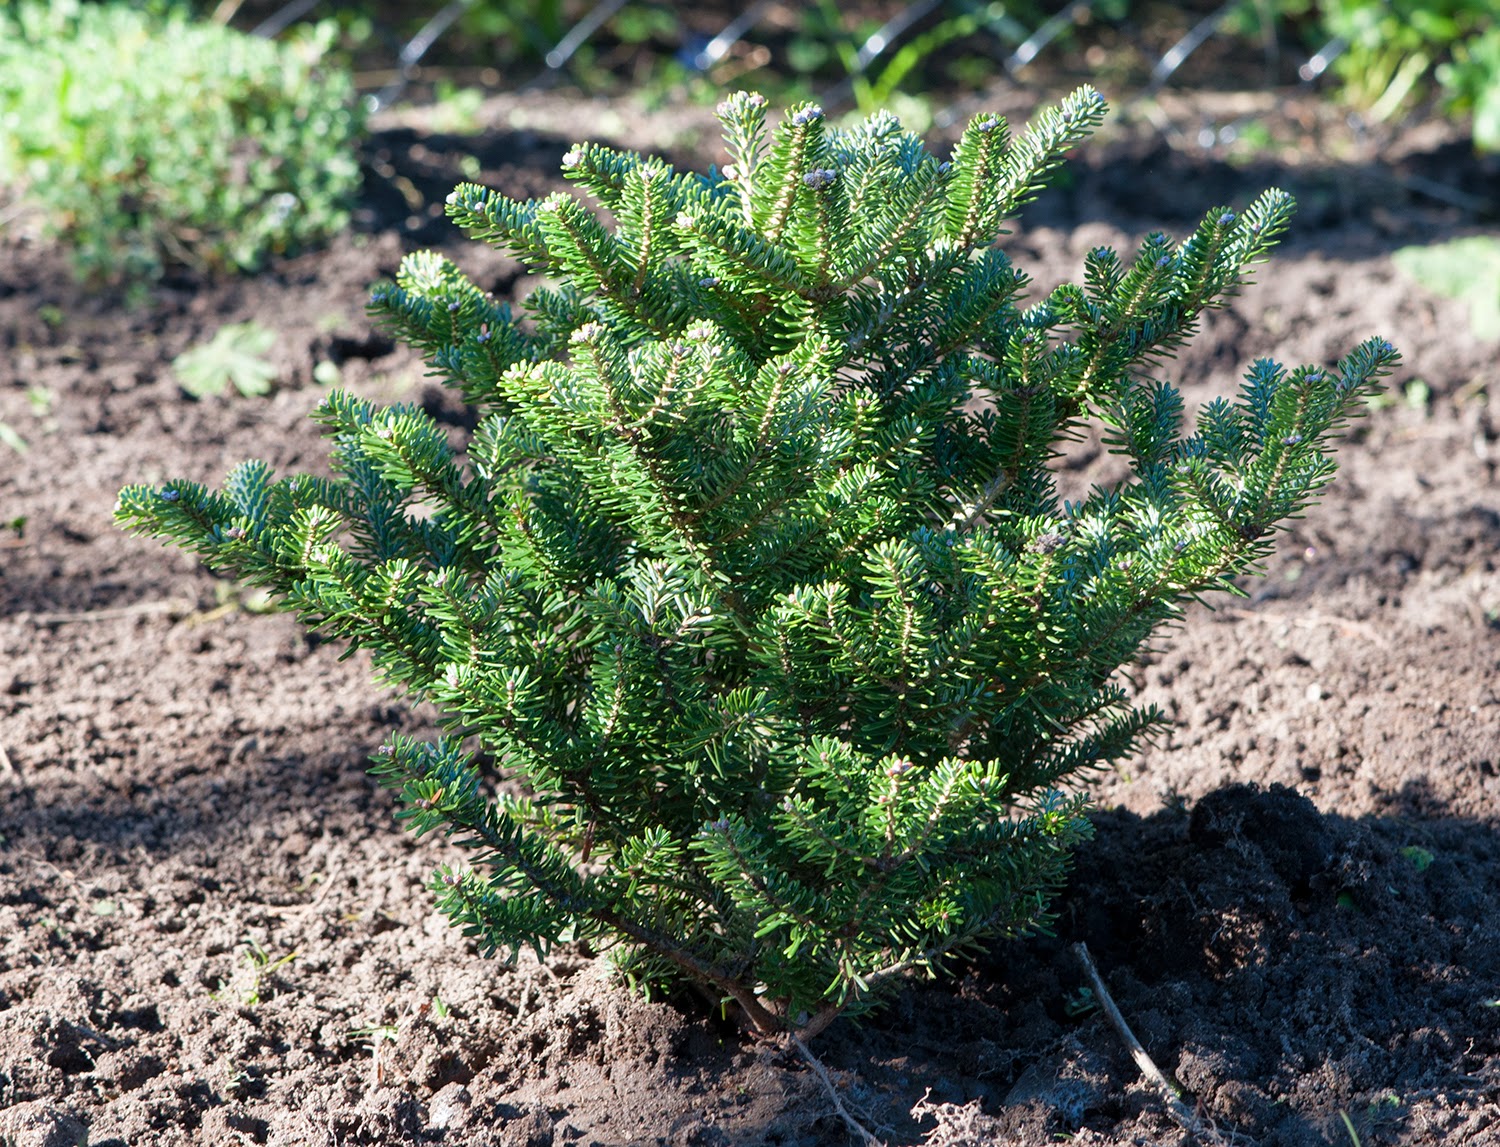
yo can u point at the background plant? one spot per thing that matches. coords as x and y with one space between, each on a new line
1387 59
767 650
1467 269
149 140
1471 79
1392 51
236 356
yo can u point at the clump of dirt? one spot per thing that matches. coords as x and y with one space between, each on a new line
211 930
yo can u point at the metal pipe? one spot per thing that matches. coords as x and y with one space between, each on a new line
1185 47
580 32
715 50
416 48
889 32
281 19
1044 35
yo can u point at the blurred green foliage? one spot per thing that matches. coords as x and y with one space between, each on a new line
1467 269
1390 55
148 139
1472 81
236 355
1397 48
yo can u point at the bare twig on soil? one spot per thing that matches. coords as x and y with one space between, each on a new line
1184 1116
854 1125
1347 626
67 617
524 1004
327 882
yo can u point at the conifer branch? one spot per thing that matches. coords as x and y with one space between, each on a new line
754 575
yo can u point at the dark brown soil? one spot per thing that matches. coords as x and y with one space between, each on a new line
212 931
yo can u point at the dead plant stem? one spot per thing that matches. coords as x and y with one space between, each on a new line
1184 1116
860 1131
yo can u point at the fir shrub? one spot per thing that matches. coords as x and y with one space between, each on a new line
768 652
150 140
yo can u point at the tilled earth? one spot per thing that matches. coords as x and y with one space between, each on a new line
212 931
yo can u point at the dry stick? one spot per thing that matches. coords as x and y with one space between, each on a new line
144 607
1179 1110
853 1124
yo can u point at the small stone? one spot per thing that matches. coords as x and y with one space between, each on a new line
450 1107
37 1123
1315 692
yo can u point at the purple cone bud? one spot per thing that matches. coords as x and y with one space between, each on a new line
1227 218
810 114
820 178
988 125
169 495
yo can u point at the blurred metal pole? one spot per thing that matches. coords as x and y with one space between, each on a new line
283 18
1318 62
416 48
734 31
1049 31
1185 47
580 32
889 32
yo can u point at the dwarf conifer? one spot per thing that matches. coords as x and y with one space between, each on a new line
767 649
